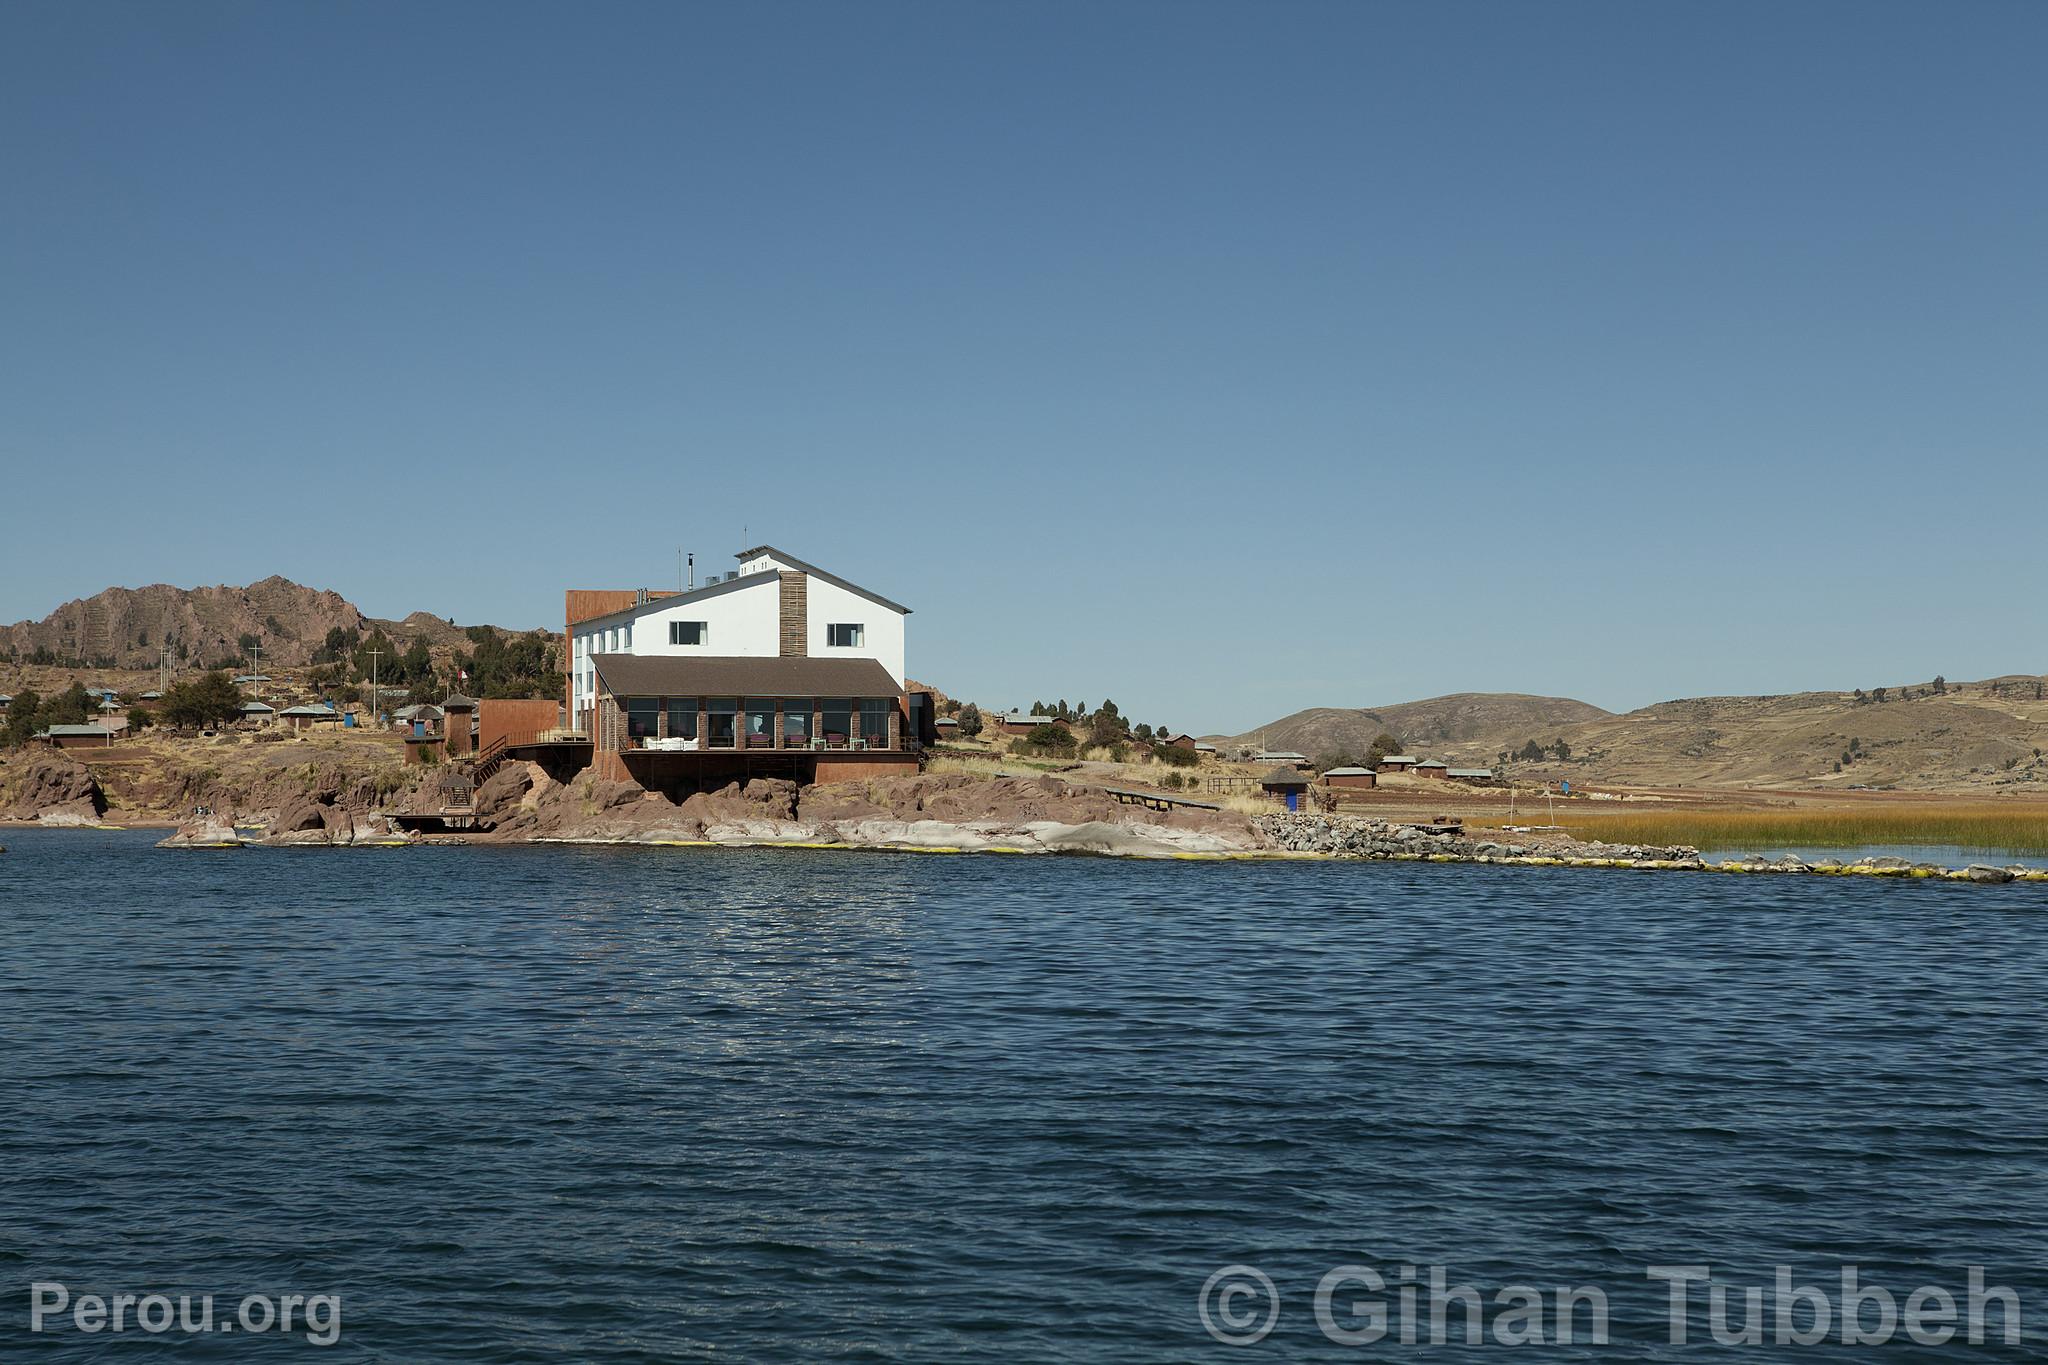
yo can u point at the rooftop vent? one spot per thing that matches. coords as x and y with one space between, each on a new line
639 597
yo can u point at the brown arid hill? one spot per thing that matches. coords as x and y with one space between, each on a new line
1979 735
1467 721
1989 735
129 625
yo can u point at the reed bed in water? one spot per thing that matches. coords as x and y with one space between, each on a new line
1986 826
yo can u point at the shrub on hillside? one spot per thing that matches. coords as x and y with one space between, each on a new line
1048 739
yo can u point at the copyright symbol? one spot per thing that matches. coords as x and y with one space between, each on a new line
1229 1305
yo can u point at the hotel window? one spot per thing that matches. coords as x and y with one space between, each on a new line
642 716
851 636
689 632
626 637
682 717
760 723
874 719
838 721
796 723
720 713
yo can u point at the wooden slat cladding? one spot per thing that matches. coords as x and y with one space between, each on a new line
795 595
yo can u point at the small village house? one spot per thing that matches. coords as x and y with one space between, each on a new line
78 737
1286 786
258 713
1205 750
1285 757
1473 775
1181 742
417 719
1396 763
309 716
1430 767
1353 778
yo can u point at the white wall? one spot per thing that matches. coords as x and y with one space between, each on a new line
829 604
743 620
762 564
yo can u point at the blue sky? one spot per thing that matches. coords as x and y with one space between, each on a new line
1223 359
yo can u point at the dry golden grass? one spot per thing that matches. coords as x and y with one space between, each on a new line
947 764
1967 825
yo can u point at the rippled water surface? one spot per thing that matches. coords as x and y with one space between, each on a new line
619 1105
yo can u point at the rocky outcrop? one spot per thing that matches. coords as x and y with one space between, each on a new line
52 787
1346 836
204 831
506 789
1026 815
1363 838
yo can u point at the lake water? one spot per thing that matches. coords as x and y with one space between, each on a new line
561 1104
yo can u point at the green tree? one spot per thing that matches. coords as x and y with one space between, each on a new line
416 665
210 699
1383 744
140 718
970 720
23 718
73 706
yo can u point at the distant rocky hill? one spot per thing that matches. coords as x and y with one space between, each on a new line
125 627
1468 721
1992 733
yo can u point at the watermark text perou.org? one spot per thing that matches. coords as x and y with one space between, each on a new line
1360 1305
316 1317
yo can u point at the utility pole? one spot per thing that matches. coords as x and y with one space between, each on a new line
163 668
376 697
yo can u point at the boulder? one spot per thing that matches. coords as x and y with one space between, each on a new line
204 831
1987 875
505 789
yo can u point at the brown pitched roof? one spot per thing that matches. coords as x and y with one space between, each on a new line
636 675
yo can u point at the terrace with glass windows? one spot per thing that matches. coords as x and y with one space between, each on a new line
697 724
700 721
